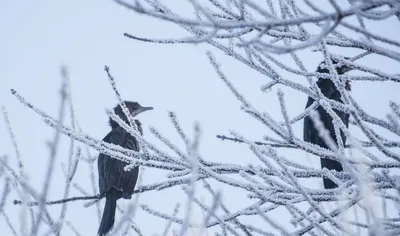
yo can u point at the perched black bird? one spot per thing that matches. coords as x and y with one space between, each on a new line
114 182
310 133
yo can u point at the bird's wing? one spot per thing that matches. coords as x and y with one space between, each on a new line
111 170
307 123
310 133
345 118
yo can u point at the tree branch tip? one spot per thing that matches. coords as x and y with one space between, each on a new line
171 114
17 202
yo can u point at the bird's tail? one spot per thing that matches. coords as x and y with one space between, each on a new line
108 218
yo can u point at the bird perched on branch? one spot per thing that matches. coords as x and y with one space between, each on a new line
114 181
310 133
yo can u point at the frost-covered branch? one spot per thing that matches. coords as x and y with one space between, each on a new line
277 177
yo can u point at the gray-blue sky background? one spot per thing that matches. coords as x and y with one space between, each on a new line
37 37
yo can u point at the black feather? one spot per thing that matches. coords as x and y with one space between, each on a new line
114 181
310 133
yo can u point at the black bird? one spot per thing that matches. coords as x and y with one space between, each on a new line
310 133
114 182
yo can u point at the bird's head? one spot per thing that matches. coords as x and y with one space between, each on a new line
340 67
326 85
134 109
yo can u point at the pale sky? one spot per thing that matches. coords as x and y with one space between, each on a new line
37 37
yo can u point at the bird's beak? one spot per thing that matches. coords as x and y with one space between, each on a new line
140 110
146 109
347 69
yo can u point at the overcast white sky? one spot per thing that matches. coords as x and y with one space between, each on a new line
37 37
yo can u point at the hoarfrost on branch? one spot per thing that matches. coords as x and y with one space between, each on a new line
257 34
